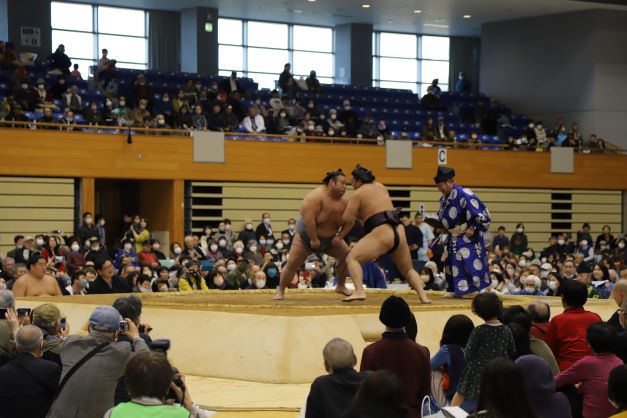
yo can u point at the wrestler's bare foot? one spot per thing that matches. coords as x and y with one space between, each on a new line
279 295
358 295
343 291
451 295
424 299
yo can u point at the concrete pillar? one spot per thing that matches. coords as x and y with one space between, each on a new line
353 54
199 48
26 13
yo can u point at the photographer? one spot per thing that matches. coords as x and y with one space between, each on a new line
149 378
92 365
191 278
55 329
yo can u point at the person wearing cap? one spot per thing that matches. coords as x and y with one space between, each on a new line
36 282
385 234
48 318
28 383
466 219
321 214
396 352
584 275
89 391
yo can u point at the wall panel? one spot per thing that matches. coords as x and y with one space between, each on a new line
34 205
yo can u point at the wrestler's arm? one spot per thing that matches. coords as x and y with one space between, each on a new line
19 288
309 210
348 218
57 289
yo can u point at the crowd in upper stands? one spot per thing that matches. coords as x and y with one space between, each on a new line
54 97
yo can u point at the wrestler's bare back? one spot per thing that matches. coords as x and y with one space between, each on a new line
326 210
369 199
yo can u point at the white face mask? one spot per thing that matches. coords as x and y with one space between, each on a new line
510 272
222 243
213 248
75 247
239 250
621 245
144 289
266 221
291 227
584 243
530 289
262 242
260 284
522 263
253 249
270 242
230 267
552 285
177 250
88 221
544 274
127 247
519 230
279 245
249 227
560 242
39 242
495 283
286 242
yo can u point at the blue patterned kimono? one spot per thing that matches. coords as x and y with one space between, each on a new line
466 265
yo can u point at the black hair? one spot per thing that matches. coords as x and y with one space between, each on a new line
129 307
521 339
381 386
17 238
606 272
457 331
600 337
574 293
33 259
501 228
503 392
101 261
517 314
148 374
76 275
143 278
363 174
331 175
616 384
412 327
487 306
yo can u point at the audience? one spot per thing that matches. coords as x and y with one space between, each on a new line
87 388
566 335
400 355
49 319
331 395
380 395
28 384
540 383
616 384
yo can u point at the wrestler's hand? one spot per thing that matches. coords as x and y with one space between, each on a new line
314 243
470 232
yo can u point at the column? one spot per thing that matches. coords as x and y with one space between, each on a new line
199 40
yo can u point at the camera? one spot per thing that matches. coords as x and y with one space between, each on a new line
162 345
22 312
194 274
123 326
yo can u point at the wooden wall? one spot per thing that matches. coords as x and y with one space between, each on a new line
44 153
34 205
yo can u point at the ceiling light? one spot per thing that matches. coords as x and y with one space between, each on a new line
417 11
467 16
311 1
365 6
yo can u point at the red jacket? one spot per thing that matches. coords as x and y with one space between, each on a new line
147 258
539 330
407 360
566 335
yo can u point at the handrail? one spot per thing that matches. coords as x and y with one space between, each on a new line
234 136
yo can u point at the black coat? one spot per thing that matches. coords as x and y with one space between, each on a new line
331 395
27 386
100 287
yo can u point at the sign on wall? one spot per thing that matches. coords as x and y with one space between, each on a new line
441 156
30 36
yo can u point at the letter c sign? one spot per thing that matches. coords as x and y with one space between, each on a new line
442 156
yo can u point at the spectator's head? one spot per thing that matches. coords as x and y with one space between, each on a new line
457 331
7 300
382 387
129 307
574 294
568 268
48 318
540 312
584 273
260 279
616 384
18 240
600 272
487 306
105 320
287 67
29 339
104 52
503 392
252 111
61 48
338 354
619 294
606 229
521 338
148 374
600 337
104 267
537 375
395 313
37 265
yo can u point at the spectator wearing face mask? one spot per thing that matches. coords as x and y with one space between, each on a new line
74 259
348 117
78 284
240 276
518 241
217 280
531 287
213 251
87 229
585 249
259 281
126 251
264 228
605 241
253 253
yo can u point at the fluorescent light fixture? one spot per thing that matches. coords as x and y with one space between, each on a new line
417 11
467 16
365 6
433 25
